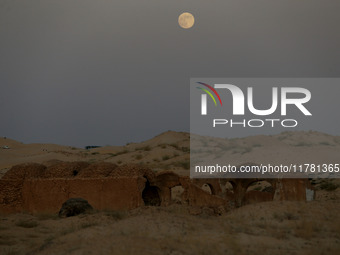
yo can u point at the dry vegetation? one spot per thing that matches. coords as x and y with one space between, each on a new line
264 228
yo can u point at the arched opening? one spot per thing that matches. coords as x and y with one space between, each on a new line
208 188
262 186
228 191
150 195
259 191
176 194
229 187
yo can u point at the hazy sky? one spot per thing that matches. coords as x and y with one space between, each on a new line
111 72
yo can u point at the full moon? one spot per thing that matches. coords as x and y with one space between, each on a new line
186 20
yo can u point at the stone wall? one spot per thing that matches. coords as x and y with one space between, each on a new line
47 195
11 196
38 188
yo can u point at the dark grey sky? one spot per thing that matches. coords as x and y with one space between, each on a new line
110 72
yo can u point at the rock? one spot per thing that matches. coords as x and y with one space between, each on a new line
208 211
219 210
74 206
195 210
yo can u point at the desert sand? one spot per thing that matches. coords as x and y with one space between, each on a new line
276 227
171 151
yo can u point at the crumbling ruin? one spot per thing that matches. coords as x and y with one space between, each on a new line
35 188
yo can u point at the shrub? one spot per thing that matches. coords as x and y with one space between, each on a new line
146 148
329 186
117 215
185 149
27 224
301 144
88 224
325 143
185 164
174 145
139 156
122 152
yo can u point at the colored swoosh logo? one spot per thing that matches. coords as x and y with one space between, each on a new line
209 93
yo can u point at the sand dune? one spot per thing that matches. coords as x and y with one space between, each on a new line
170 151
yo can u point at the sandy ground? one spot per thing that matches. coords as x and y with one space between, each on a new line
169 150
264 228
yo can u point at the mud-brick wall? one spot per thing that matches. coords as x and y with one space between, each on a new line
11 196
293 189
195 196
47 195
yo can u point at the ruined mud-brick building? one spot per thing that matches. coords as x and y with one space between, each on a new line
35 188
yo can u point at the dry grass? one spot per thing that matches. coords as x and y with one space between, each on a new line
264 228
305 229
328 185
166 157
7 240
47 216
139 157
117 215
27 224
